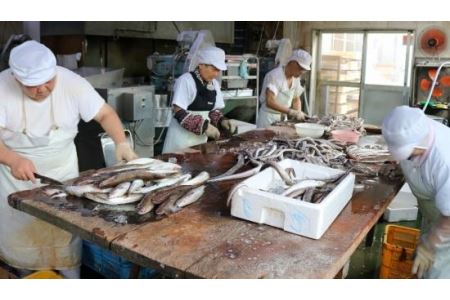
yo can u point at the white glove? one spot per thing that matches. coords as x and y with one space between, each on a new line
423 261
124 152
212 132
229 125
296 114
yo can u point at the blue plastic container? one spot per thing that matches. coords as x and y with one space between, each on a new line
110 265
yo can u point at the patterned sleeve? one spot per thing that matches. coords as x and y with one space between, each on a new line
215 117
191 122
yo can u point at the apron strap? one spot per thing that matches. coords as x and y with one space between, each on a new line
24 114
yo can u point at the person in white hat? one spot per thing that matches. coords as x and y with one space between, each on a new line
40 107
281 91
196 102
422 147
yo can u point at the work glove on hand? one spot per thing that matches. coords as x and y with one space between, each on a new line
22 169
296 114
423 261
228 125
212 132
124 152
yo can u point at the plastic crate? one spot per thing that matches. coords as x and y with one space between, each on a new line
399 244
110 265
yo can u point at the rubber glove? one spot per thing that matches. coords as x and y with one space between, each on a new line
423 261
296 114
212 132
124 152
229 126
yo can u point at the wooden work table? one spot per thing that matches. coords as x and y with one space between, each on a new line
204 241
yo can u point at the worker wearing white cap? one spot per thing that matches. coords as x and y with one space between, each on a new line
196 102
281 91
422 147
40 107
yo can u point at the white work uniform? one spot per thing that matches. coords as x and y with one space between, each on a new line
42 132
277 83
429 179
185 91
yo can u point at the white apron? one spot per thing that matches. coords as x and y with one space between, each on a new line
25 241
267 116
178 138
430 215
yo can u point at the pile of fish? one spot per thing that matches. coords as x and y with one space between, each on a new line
369 153
332 122
335 122
317 151
157 185
313 190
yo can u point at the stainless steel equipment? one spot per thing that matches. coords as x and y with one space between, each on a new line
134 105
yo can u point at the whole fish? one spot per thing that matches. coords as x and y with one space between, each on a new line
135 174
239 164
161 196
163 183
146 205
245 174
283 174
169 206
120 190
135 185
201 178
80 190
235 189
191 196
303 185
103 198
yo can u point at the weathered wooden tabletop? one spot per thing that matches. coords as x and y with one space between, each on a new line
203 240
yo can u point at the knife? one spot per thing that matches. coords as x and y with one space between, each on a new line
47 180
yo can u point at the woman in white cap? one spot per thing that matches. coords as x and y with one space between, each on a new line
422 147
40 107
281 91
196 102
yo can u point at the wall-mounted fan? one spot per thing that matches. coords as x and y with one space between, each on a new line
433 41
442 82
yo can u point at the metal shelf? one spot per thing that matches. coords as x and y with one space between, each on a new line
235 61
239 77
240 97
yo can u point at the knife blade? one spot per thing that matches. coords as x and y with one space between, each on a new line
47 180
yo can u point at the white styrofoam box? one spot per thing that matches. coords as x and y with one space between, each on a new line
229 93
237 93
253 202
403 207
243 126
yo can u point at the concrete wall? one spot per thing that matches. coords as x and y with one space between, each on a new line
305 29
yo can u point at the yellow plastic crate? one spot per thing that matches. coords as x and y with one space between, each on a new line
399 244
44 275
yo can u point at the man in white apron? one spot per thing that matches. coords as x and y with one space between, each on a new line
40 107
422 146
196 102
281 91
